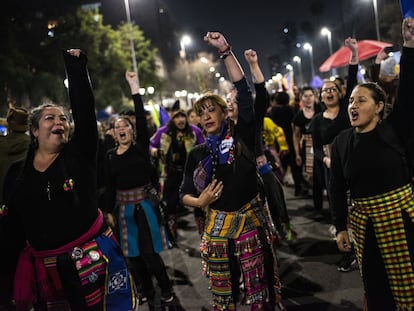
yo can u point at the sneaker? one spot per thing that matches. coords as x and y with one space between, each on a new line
345 264
167 297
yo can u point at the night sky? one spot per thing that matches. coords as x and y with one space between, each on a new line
259 24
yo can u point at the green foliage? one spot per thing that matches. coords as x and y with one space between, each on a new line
31 65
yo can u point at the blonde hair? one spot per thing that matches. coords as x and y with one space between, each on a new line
214 98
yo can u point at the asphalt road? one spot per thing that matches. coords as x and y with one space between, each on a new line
308 269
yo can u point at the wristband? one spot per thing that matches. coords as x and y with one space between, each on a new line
225 53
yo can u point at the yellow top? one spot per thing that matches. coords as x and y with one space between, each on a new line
272 133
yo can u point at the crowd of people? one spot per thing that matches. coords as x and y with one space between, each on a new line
86 211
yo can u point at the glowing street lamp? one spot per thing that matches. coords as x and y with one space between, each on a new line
307 46
185 40
326 32
298 60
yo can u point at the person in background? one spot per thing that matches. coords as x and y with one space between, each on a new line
302 140
171 144
272 186
326 125
131 202
374 161
193 118
69 258
220 176
15 144
282 114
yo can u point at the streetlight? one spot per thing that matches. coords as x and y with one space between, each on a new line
131 40
185 40
298 60
374 4
307 46
326 32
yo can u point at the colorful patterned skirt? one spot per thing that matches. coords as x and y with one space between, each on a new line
239 258
88 273
385 213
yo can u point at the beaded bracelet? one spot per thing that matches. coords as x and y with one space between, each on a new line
225 53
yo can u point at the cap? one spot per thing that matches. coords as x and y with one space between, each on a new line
17 119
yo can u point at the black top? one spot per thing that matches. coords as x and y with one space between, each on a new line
378 161
261 103
301 121
239 178
43 211
324 130
283 116
133 168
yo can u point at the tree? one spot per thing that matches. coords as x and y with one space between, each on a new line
31 63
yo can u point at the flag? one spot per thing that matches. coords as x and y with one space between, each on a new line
407 8
158 114
288 82
163 116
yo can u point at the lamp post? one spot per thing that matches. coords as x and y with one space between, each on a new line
326 32
131 40
307 46
185 40
374 3
298 60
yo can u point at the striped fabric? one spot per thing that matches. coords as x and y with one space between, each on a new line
130 196
385 212
250 252
308 146
242 227
231 224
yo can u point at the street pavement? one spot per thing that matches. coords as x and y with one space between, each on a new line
308 270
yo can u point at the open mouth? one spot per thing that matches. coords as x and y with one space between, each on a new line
354 115
122 135
58 131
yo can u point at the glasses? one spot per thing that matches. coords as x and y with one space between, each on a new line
329 90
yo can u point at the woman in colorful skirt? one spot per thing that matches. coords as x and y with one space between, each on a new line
132 201
220 176
69 258
374 161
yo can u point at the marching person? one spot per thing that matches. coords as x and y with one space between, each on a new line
69 258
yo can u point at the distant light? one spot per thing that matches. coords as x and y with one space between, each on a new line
183 93
289 67
150 90
298 45
218 75
307 46
221 79
212 69
141 91
325 31
66 83
51 33
186 39
177 93
204 60
297 59
285 30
